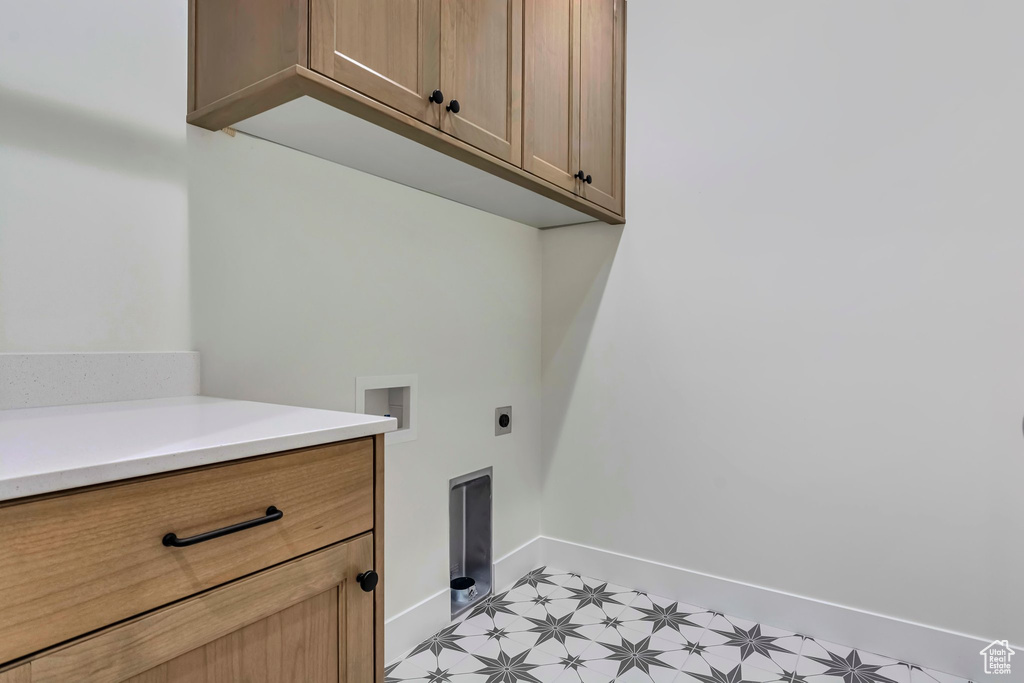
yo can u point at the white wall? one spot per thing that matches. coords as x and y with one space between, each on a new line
93 207
802 365
307 275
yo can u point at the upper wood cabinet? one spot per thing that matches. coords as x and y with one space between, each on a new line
573 96
482 70
385 50
602 84
400 51
551 90
527 96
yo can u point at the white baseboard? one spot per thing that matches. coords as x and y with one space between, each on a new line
935 648
409 628
512 567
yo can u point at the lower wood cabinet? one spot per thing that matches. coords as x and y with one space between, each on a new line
314 618
306 620
299 643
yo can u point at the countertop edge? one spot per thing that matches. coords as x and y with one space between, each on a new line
109 473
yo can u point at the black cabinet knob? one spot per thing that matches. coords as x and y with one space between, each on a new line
368 580
437 97
585 178
453 107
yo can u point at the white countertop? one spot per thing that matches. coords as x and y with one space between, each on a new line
52 449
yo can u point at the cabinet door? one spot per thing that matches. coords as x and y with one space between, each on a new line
387 50
305 621
602 76
22 674
482 69
299 643
551 90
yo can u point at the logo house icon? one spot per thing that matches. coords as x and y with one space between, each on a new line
997 657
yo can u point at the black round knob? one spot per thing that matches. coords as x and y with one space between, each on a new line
437 97
503 420
589 179
584 177
368 580
453 107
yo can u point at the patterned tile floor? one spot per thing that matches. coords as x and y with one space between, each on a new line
559 627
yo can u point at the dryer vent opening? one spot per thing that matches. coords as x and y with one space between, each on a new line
469 539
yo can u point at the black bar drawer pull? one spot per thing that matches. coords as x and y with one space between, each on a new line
172 541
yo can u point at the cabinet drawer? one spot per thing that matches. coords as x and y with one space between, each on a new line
82 561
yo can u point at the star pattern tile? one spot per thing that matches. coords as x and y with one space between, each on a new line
711 669
753 644
492 606
823 662
666 619
598 596
506 669
557 628
750 641
563 627
638 655
440 641
534 579
438 676
496 633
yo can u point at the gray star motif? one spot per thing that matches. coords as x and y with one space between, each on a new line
635 655
734 676
493 605
612 622
445 639
751 641
541 600
590 595
507 669
551 628
496 634
572 662
666 617
387 673
532 579
851 669
438 676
